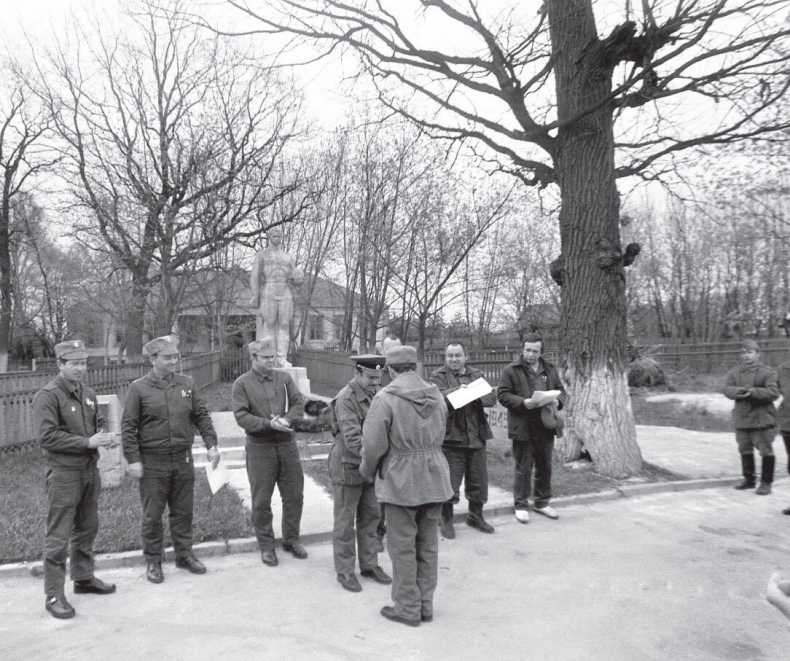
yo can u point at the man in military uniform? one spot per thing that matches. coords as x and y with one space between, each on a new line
159 419
464 440
402 447
68 427
354 496
266 404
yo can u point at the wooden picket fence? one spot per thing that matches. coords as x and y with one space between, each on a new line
18 389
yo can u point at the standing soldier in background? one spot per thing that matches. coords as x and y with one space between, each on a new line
68 428
465 439
754 387
402 449
266 404
354 496
159 419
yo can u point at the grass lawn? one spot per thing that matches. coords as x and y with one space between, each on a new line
23 507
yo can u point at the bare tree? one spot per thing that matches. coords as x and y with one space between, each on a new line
171 139
559 96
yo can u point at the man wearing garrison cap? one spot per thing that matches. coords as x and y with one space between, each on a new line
68 428
158 427
754 387
402 448
266 404
354 496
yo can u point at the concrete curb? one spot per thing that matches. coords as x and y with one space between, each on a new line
250 544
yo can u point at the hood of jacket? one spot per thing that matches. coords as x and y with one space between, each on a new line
423 397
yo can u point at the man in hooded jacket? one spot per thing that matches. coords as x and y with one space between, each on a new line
402 446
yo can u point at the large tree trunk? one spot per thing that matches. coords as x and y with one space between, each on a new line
136 321
591 270
6 285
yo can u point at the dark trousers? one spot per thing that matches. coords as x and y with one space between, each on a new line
535 453
269 464
168 479
413 545
469 465
72 519
761 439
381 529
355 504
786 439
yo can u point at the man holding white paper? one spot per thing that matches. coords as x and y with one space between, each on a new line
530 388
465 436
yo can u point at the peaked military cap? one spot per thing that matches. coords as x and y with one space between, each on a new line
71 350
263 347
404 355
369 362
166 345
749 345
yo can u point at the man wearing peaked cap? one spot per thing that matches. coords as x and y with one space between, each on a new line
266 404
159 419
68 428
754 387
356 511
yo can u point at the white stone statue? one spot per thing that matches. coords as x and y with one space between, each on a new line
273 273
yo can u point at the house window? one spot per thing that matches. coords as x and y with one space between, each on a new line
316 327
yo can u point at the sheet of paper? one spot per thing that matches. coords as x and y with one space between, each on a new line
217 477
542 397
475 390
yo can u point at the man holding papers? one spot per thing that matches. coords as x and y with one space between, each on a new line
527 387
466 394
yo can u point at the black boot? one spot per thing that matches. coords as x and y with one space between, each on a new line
446 522
476 520
766 476
747 465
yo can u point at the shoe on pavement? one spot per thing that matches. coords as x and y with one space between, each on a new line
426 617
764 489
744 484
377 574
447 528
390 614
479 523
153 572
93 585
297 550
269 558
192 564
349 582
522 516
547 511
59 607
786 510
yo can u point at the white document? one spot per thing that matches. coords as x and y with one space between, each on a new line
543 397
475 390
217 477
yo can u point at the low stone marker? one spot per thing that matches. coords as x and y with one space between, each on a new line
112 466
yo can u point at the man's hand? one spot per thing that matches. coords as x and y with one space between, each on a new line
743 393
101 440
280 424
212 454
135 470
529 404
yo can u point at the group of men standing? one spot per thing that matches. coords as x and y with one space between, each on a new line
400 453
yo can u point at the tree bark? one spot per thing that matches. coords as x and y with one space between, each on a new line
593 318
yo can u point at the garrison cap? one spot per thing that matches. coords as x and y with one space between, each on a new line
403 355
71 350
166 345
370 362
263 347
749 345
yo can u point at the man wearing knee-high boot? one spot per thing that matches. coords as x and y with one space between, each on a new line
754 387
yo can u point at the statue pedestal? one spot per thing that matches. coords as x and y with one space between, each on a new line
112 465
299 375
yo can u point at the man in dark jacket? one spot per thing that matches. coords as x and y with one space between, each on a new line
266 404
158 425
783 413
68 428
465 439
533 441
754 387
401 446
354 496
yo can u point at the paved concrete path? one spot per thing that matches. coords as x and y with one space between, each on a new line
668 577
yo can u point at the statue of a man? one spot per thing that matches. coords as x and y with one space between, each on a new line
272 273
